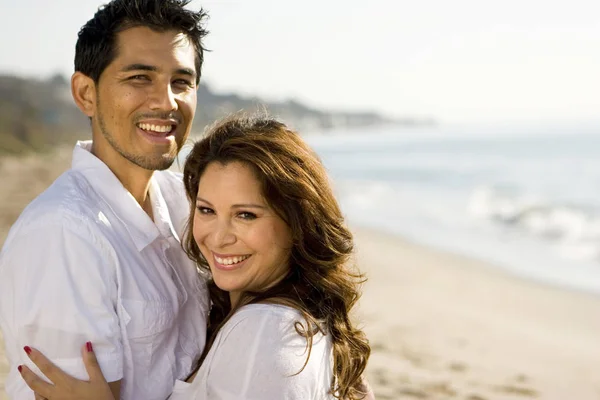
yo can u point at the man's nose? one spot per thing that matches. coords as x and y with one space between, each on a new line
162 98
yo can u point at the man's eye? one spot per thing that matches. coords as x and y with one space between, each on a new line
139 78
184 82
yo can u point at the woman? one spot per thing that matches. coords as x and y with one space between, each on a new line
265 223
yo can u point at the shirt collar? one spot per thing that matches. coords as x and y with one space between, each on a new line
162 216
141 228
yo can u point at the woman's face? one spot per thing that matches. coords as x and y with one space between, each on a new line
247 245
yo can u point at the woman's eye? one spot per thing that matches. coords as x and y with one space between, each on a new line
204 210
247 215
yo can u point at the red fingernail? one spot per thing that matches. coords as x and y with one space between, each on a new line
89 347
20 368
27 349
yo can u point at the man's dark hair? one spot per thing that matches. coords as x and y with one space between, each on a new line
96 45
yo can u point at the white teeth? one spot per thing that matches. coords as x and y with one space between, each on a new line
231 260
156 128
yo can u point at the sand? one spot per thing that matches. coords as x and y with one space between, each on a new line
446 327
441 326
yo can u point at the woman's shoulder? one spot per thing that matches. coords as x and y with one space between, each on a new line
260 344
266 318
270 326
268 311
266 339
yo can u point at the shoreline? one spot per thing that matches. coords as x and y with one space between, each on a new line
489 265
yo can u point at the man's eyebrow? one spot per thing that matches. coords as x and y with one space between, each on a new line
144 67
186 71
139 67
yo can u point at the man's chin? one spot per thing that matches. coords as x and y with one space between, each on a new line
166 165
154 163
163 163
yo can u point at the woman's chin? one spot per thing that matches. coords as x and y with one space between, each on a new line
226 286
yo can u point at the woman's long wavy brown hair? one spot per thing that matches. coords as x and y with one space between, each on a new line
320 283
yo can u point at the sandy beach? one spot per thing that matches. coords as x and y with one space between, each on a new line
441 326
446 327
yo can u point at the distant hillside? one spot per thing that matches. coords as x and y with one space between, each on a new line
38 114
212 106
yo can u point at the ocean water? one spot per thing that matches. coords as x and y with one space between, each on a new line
527 200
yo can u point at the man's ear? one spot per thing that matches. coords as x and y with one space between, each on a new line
83 90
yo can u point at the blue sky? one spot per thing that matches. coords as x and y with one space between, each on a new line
460 61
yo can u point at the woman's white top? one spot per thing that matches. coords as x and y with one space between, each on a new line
258 355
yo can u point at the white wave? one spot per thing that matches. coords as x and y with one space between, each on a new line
574 229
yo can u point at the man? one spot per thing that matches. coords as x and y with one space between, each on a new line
97 256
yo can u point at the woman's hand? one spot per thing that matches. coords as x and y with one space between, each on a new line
64 386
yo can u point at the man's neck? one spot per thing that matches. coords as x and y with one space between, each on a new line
134 178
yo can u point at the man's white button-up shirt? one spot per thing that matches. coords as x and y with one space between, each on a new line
84 262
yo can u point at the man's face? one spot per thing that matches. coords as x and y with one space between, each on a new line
146 98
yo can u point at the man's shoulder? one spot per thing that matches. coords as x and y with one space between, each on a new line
69 193
68 199
60 222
